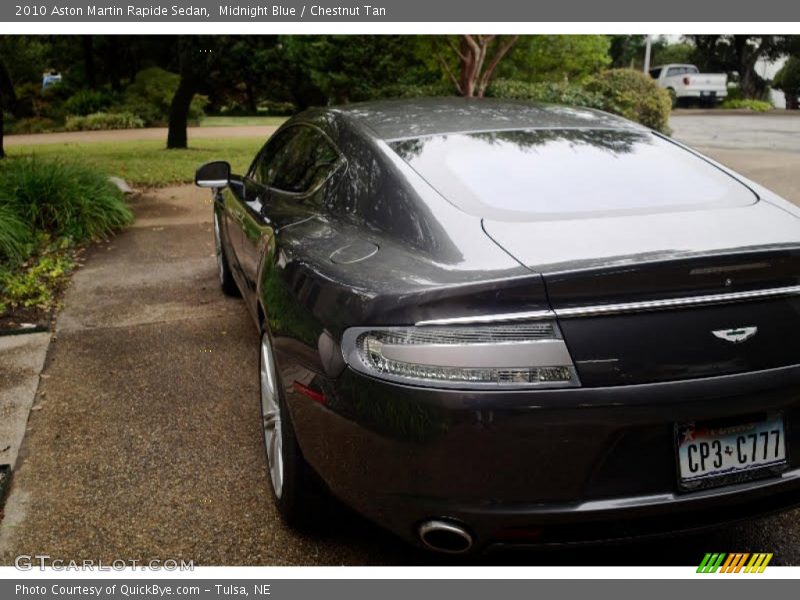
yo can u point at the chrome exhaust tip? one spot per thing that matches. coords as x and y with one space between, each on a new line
445 536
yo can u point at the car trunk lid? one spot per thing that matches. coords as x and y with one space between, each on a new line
646 298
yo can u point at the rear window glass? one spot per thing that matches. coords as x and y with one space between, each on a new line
567 172
685 70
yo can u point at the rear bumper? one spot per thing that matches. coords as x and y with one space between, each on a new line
549 466
720 94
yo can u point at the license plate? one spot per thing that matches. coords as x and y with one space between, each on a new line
710 452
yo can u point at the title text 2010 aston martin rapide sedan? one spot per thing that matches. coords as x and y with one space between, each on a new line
499 323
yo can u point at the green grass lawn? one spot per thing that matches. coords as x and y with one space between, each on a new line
146 162
241 121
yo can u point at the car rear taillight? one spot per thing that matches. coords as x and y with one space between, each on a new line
686 81
502 356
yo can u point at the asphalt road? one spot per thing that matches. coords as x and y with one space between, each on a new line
145 439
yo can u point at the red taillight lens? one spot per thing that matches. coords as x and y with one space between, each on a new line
309 393
686 81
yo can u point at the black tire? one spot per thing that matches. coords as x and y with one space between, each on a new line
301 498
226 281
673 97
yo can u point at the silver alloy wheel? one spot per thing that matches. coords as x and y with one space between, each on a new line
218 249
271 413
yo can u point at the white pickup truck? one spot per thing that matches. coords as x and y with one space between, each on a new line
686 81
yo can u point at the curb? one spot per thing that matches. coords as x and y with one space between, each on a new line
5 483
24 330
32 357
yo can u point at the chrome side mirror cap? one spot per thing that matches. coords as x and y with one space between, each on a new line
214 174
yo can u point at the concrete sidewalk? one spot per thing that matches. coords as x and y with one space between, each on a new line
148 444
21 361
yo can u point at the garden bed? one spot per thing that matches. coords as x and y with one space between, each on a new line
50 210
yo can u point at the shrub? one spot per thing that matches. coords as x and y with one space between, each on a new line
31 101
755 105
38 281
633 95
16 236
273 107
86 102
266 108
734 93
570 94
61 198
787 79
32 125
150 96
102 120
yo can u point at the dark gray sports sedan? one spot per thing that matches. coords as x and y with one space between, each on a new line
499 323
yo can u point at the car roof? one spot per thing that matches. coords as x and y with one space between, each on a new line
400 119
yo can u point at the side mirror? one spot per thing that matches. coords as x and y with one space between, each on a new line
215 174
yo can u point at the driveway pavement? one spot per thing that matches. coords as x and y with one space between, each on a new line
146 440
764 147
778 130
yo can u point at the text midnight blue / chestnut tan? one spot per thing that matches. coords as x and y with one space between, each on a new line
313 10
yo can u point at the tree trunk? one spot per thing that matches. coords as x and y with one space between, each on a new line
8 99
474 73
469 74
179 113
749 80
488 72
2 125
250 97
792 101
113 63
192 71
88 61
751 84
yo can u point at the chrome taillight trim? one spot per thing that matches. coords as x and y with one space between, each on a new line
671 303
618 308
536 315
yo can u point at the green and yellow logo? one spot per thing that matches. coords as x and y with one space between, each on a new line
744 562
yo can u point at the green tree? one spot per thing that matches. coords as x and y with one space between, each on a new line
665 54
626 51
252 69
787 79
345 68
476 58
556 58
31 56
738 56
